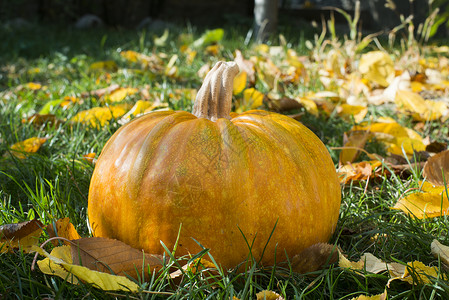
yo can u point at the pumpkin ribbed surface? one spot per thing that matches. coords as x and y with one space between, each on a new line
227 183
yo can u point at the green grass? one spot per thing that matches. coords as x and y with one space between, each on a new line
53 183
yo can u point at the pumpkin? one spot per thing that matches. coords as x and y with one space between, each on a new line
256 183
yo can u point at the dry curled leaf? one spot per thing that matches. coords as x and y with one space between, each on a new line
441 251
314 258
20 235
368 262
436 169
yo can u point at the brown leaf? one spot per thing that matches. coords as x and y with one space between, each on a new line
38 120
359 171
246 66
18 235
106 255
436 169
314 258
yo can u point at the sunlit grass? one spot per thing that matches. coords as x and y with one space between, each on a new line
53 183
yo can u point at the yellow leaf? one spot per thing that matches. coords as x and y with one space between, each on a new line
132 56
395 137
171 70
120 94
417 273
30 145
382 296
100 280
309 105
48 266
212 49
368 262
33 86
425 204
347 112
378 67
268 295
109 66
100 116
63 228
420 109
262 48
239 83
160 41
138 108
350 151
252 99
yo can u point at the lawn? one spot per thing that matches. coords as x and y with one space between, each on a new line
379 106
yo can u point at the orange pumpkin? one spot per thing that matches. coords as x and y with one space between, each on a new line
226 181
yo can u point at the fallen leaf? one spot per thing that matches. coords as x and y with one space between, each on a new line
310 105
48 266
378 67
314 258
252 99
349 112
138 109
353 141
63 228
417 273
358 171
33 86
395 137
31 145
120 94
420 109
239 83
427 204
20 235
209 37
382 296
107 255
368 262
39 120
100 116
246 66
440 251
436 169
104 281
162 40
101 92
268 295
90 157
109 66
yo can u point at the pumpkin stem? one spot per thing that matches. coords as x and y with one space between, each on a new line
214 99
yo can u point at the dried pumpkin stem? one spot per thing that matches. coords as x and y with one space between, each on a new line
214 99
